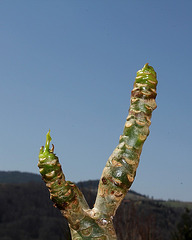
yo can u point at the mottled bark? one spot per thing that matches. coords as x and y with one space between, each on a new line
118 174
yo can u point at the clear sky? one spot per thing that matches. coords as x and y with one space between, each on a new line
69 66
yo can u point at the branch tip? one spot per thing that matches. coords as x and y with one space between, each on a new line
48 140
52 149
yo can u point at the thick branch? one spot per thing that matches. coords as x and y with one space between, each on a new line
120 170
69 199
117 176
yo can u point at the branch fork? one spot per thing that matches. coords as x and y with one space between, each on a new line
118 174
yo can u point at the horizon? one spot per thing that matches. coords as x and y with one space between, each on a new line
83 181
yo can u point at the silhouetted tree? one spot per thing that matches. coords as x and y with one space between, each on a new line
184 227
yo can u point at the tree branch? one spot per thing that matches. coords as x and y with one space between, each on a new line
118 174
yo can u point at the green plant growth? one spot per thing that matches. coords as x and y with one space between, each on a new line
118 174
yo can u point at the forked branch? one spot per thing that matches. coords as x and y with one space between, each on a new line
118 174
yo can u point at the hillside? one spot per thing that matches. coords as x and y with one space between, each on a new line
26 212
15 177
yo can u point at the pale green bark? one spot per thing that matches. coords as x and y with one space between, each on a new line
118 174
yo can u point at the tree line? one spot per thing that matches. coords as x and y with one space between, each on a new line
27 213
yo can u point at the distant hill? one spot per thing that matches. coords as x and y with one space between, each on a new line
26 212
16 177
92 185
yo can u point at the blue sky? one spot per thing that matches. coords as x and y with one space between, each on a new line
69 66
